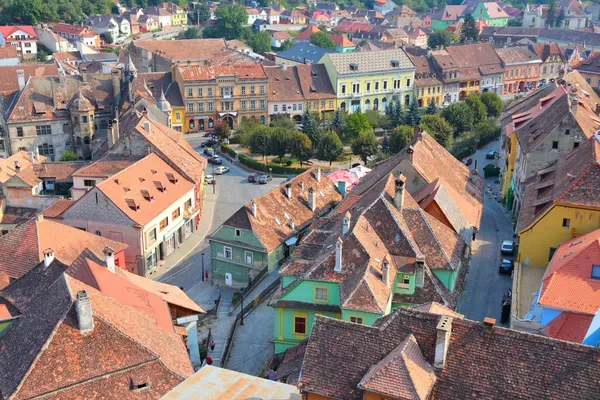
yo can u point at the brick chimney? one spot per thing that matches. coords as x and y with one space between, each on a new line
338 256
48 257
311 200
147 127
489 322
17 166
346 223
444 330
399 191
83 308
109 259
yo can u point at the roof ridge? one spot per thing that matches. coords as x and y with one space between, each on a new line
436 285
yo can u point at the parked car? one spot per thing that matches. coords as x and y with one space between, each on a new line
156 35
209 179
506 267
221 170
215 160
253 177
289 178
136 37
264 179
208 134
209 152
491 155
508 247
467 161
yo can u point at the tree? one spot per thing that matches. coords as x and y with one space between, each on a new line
413 116
42 53
282 121
355 124
401 136
279 142
106 37
286 45
260 42
245 131
260 141
561 18
431 108
68 155
300 147
365 145
310 126
230 23
322 39
551 18
191 33
459 115
398 114
469 30
373 118
493 104
330 147
514 22
477 108
222 131
438 128
200 15
337 123
439 38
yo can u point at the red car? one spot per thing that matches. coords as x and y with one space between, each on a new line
467 161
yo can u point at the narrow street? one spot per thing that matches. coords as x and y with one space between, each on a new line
485 286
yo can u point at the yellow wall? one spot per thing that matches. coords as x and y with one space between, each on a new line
179 18
180 120
312 396
375 396
508 173
426 93
548 232
323 106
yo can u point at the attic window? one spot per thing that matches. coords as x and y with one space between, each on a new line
139 387
395 63
286 215
595 271
142 179
353 67
147 196
132 204
126 189
159 186
153 171
171 178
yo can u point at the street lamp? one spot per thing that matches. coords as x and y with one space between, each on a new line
202 267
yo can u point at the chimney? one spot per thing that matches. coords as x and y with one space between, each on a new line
253 208
444 329
21 78
346 223
399 191
147 126
574 100
115 130
116 83
338 256
385 272
109 259
31 158
53 88
288 191
318 174
84 77
490 322
302 185
311 200
292 225
48 257
419 273
83 308
284 66
17 167
37 154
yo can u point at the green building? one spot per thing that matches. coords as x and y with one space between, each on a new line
491 13
446 17
377 251
263 232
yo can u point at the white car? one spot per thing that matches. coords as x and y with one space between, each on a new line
209 179
220 170
507 247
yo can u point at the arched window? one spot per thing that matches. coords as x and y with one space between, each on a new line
406 100
211 123
192 125
343 106
376 104
383 103
367 105
98 233
244 119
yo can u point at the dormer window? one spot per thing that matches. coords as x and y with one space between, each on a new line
595 271
395 63
132 204
146 195
171 178
159 186
353 67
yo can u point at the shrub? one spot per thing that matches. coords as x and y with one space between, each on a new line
464 146
275 169
228 150
491 170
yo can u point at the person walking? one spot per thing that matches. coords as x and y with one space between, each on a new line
212 345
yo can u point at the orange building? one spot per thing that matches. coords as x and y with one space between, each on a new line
522 68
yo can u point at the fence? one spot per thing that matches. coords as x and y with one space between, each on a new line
251 285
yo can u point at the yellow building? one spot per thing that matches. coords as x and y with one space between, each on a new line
370 80
222 93
560 202
428 86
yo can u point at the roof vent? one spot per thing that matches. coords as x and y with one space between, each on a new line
159 186
132 204
171 178
153 171
117 181
147 196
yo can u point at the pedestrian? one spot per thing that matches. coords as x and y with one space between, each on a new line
212 345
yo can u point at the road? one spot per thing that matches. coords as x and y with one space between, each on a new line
485 287
164 34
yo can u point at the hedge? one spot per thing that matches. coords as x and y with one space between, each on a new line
228 150
273 168
490 171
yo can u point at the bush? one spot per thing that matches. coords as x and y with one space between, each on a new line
490 171
464 146
275 169
228 150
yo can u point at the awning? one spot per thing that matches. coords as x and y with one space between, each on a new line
291 241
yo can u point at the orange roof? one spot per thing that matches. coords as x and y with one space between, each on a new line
307 33
4 313
7 165
569 326
342 41
145 189
567 283
206 72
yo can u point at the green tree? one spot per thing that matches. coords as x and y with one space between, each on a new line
355 124
413 116
68 155
283 122
485 132
279 142
431 108
514 22
493 104
551 18
230 23
469 30
373 118
477 107
337 123
439 38
438 128
25 12
561 18
191 33
460 116
260 141
106 37
222 131
42 53
330 147
400 137
260 42
322 39
286 45
398 114
200 15
365 145
245 131
300 147
311 127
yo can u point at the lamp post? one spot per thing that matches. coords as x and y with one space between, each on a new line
202 267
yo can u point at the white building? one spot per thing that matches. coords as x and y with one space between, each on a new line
23 38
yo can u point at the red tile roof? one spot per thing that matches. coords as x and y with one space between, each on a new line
9 82
352 27
307 33
6 31
107 166
341 41
8 52
569 326
199 73
57 208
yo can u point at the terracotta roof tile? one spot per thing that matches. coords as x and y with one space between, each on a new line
307 33
107 166
60 170
8 52
517 55
314 81
569 326
193 49
284 84
26 175
57 208
7 165
438 309
17 215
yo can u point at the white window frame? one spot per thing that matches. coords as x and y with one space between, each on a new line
250 255
225 250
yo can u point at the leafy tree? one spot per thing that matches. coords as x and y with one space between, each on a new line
260 141
279 142
460 116
230 23
514 22
469 30
355 124
401 136
477 108
365 145
68 155
431 108
485 132
337 123
439 38
26 12
283 122
330 147
300 147
561 18
199 15
551 18
413 116
106 37
322 39
438 128
245 131
493 104
222 131
286 45
389 111
260 42
42 53
373 118
191 33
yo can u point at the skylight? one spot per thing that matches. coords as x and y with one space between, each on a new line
595 271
